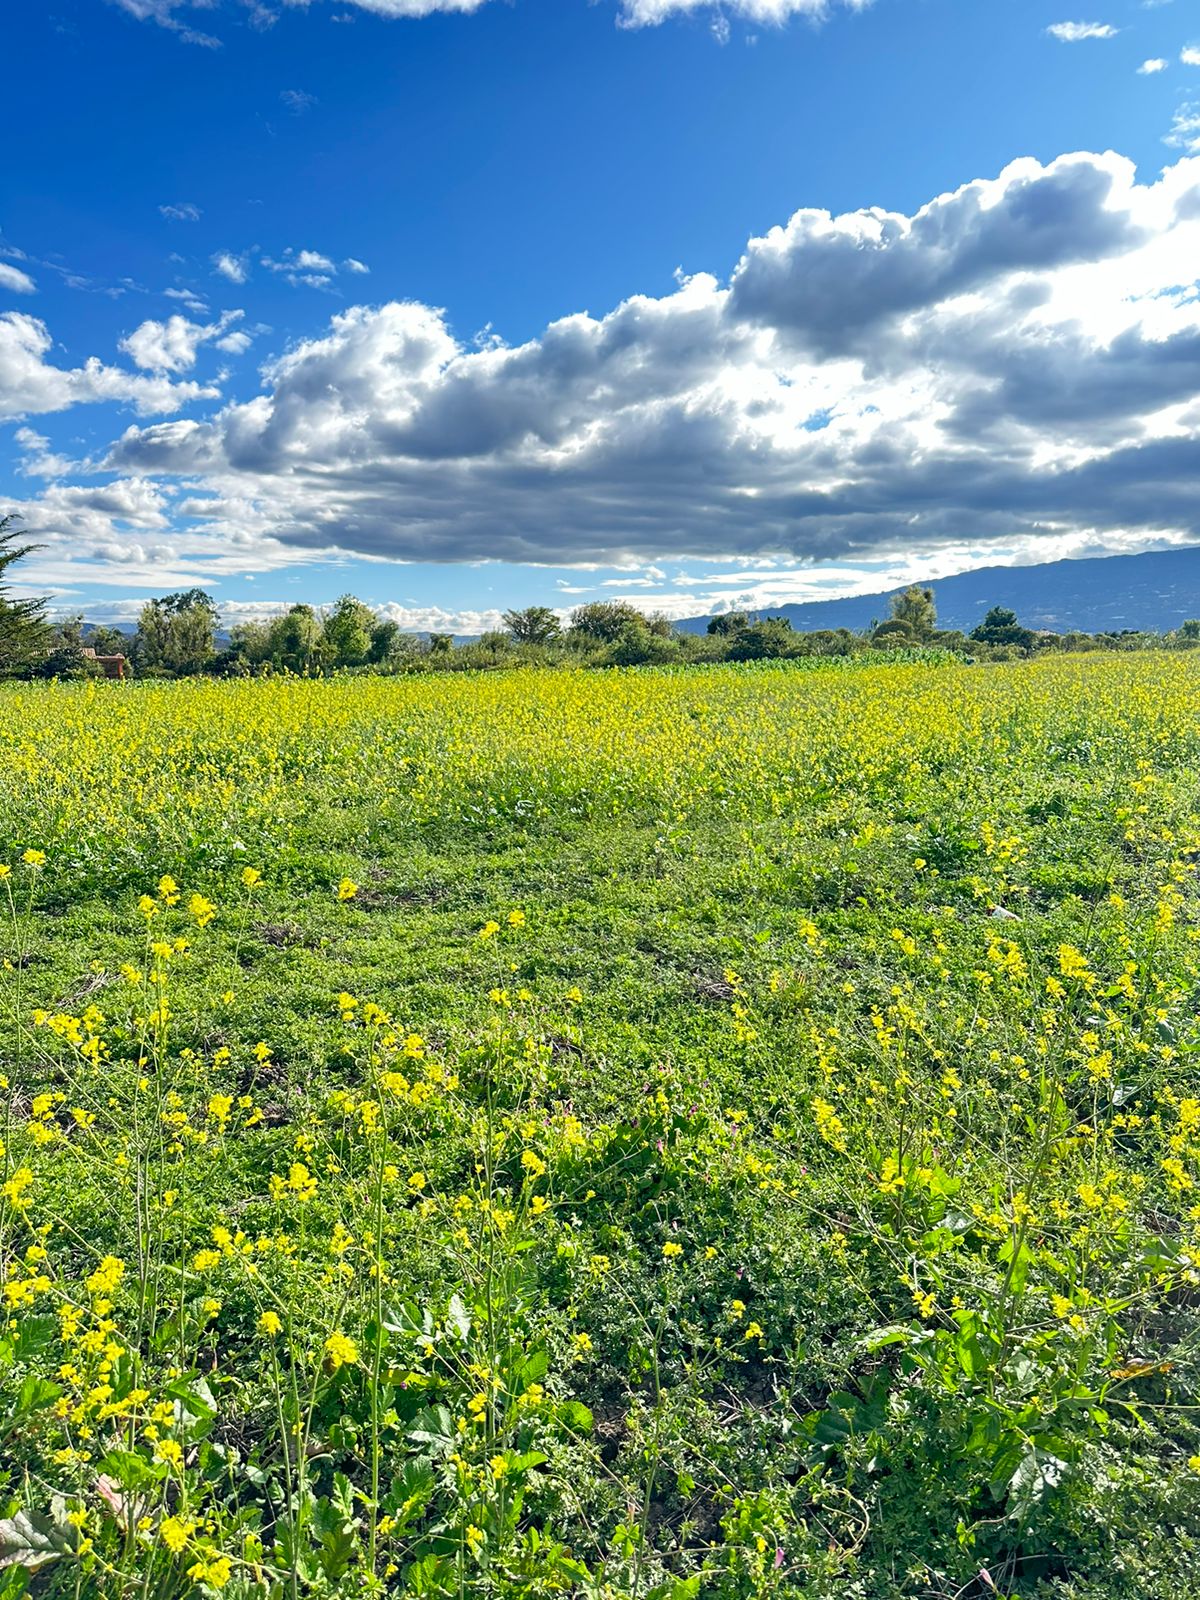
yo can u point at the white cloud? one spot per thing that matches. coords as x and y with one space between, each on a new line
1153 65
174 14
1015 366
171 346
121 533
829 280
297 101
178 15
1075 32
29 386
189 298
235 344
15 281
1190 55
184 211
310 268
303 261
230 266
410 618
163 12
1185 128
648 13
38 460
406 8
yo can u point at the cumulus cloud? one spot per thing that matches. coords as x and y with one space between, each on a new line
300 261
14 281
833 281
302 268
189 298
1153 65
1185 128
122 533
1190 55
1076 32
411 618
171 346
38 460
1016 365
29 385
235 343
183 211
227 265
312 269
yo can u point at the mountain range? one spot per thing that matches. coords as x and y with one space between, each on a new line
1152 592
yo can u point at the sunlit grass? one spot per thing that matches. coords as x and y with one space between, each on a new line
718 1133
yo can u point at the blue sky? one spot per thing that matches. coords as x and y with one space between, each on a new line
446 432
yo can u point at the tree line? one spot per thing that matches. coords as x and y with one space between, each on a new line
178 635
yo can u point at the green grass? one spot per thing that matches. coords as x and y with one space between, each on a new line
770 1218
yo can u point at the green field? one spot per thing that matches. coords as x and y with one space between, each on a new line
716 1132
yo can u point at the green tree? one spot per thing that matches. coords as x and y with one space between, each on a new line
348 630
767 640
829 642
296 640
387 641
177 633
915 607
108 641
534 625
1000 626
249 644
65 661
892 633
727 623
65 657
605 620
68 632
24 631
643 645
441 644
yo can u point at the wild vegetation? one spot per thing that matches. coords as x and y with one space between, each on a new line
178 636
655 1135
613 633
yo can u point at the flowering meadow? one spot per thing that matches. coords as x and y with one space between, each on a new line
650 1135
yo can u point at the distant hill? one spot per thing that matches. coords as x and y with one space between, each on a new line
1104 594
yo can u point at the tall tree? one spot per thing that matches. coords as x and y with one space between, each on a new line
915 607
386 641
250 643
177 633
606 619
24 631
348 630
1000 626
728 622
296 640
534 625
108 641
